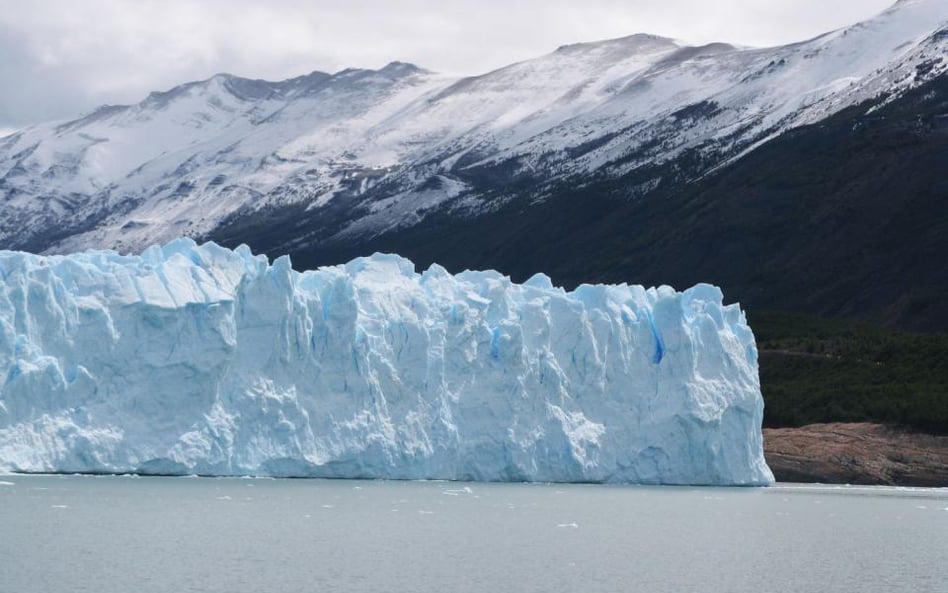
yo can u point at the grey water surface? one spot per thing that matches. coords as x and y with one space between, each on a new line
141 535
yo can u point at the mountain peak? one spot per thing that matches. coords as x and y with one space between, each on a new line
394 69
637 41
402 68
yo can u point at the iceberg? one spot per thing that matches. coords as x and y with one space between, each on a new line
198 359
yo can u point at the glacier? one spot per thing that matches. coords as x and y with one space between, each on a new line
198 359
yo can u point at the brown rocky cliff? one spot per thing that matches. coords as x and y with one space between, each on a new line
857 454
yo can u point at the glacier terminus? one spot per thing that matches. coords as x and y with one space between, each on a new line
196 359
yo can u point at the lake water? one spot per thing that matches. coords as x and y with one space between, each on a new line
62 534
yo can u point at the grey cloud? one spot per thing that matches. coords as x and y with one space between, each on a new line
59 58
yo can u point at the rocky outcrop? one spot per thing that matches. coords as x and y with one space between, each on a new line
857 454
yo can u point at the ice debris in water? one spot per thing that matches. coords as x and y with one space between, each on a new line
195 359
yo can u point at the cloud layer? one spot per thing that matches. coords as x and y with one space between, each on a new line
59 58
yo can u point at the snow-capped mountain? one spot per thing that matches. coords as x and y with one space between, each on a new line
360 153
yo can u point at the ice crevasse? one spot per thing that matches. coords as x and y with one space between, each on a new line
199 359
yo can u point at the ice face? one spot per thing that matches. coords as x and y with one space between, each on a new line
198 359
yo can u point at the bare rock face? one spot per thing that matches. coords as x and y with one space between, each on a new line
857 454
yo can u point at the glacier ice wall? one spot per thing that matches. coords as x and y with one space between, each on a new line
198 359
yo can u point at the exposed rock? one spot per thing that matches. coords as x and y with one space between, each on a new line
857 454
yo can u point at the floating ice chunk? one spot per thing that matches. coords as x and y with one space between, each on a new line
194 359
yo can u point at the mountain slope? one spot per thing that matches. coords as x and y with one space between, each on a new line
846 217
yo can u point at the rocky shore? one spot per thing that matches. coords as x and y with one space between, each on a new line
857 454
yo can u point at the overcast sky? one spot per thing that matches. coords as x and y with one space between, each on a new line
61 58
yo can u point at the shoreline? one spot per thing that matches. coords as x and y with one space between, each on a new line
857 454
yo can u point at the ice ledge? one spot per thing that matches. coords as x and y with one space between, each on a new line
199 359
